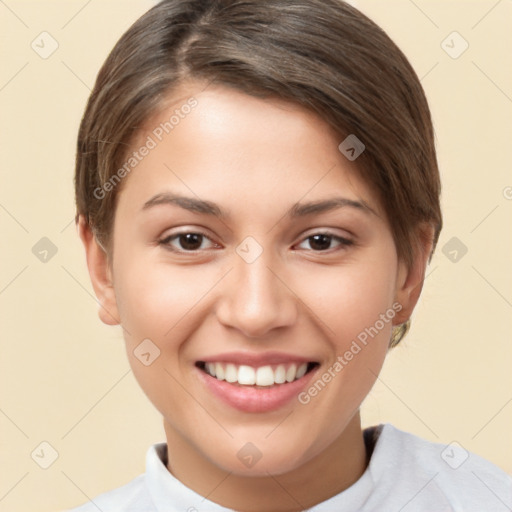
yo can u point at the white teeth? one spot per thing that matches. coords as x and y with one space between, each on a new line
301 370
246 375
231 373
210 367
290 373
262 376
280 374
219 371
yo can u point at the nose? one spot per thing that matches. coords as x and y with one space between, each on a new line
256 299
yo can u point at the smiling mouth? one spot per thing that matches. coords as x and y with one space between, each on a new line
262 376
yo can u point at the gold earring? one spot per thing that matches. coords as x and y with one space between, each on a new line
399 331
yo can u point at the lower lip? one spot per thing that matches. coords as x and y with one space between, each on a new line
254 399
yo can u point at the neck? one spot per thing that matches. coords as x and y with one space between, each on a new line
330 472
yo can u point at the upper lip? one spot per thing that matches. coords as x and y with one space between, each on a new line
256 359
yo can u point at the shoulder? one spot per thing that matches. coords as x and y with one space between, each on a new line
420 471
131 497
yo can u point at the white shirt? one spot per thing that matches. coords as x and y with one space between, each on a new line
405 473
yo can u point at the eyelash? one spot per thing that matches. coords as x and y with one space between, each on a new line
165 242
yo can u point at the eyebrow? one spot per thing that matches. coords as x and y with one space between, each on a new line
187 203
297 210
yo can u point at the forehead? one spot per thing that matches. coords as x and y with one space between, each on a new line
215 141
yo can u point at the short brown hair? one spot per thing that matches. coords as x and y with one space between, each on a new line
322 54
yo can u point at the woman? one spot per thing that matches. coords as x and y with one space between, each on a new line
258 197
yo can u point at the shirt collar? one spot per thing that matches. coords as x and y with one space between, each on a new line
167 492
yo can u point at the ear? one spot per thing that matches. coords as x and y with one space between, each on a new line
410 279
100 273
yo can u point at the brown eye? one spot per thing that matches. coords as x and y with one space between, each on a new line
190 241
322 242
186 242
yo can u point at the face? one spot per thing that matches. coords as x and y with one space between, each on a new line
247 251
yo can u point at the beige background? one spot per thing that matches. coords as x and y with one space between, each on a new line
64 376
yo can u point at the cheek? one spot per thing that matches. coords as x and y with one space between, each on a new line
354 305
352 299
158 302
153 298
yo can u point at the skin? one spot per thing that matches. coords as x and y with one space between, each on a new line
255 159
